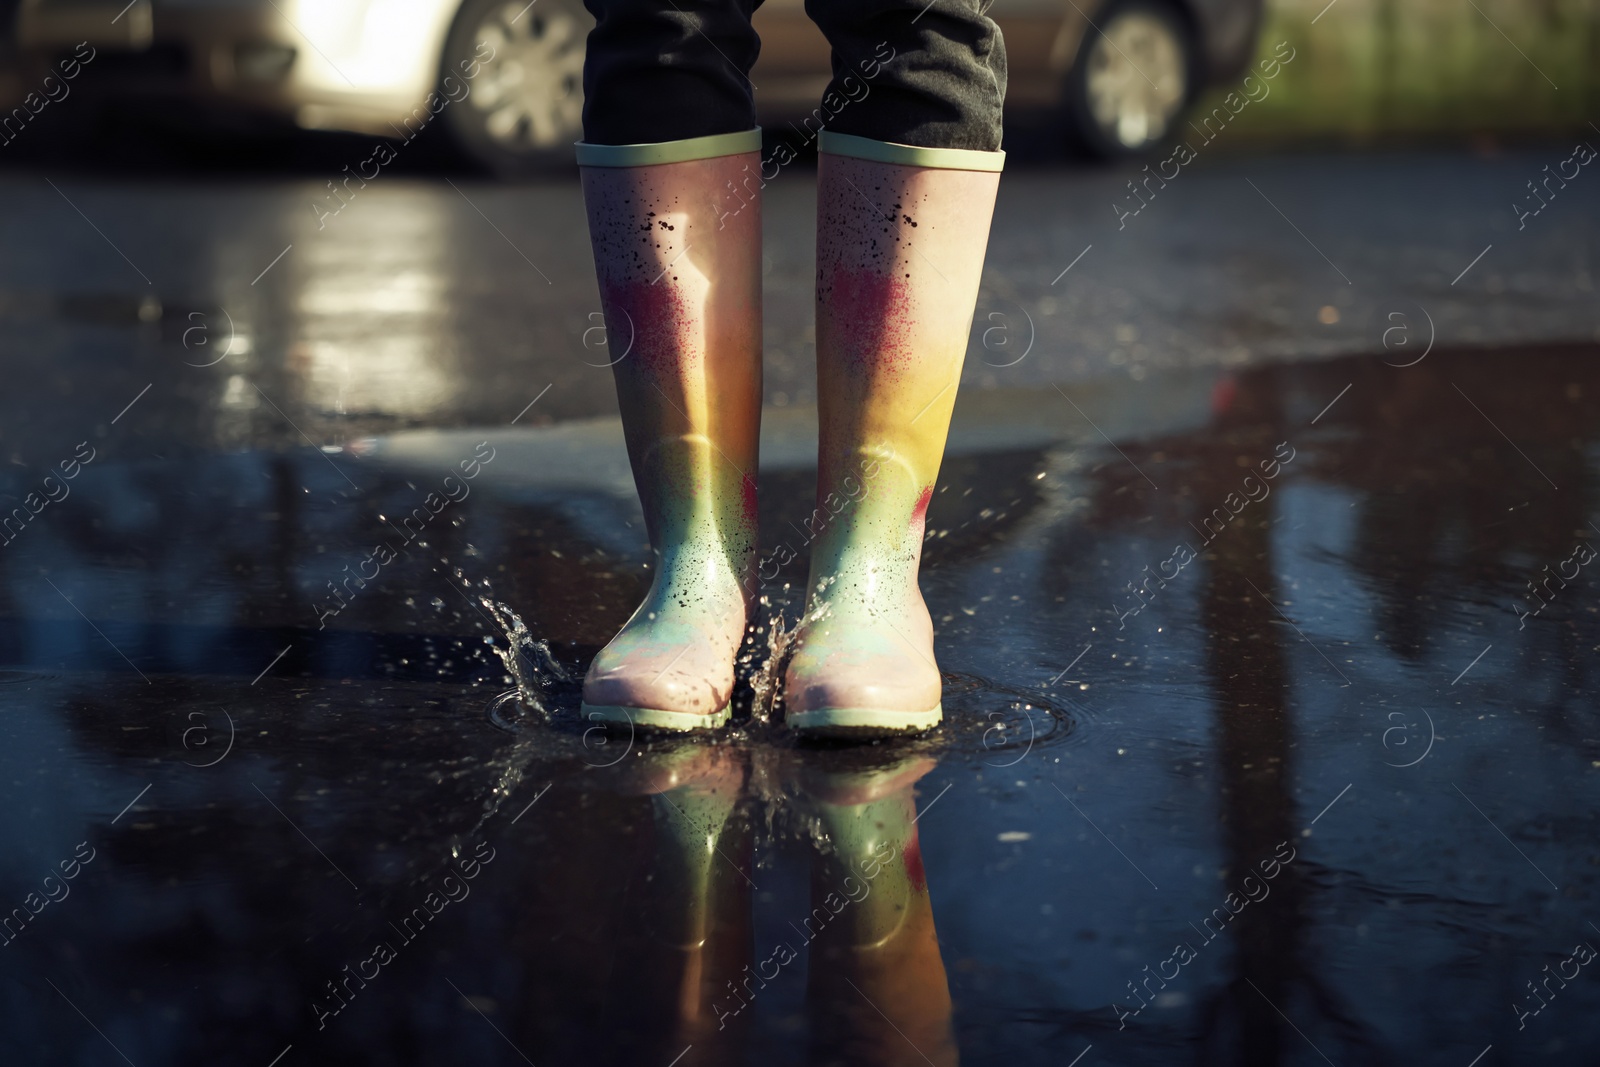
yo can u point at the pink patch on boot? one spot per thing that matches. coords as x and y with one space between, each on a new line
872 318
661 339
919 512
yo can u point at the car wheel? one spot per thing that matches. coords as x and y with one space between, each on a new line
524 103
1132 78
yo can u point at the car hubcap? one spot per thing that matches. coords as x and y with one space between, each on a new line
530 90
1136 78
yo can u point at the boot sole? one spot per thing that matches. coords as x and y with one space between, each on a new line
679 722
864 723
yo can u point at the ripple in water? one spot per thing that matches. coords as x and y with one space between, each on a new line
1002 724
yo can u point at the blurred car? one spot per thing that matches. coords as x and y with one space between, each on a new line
505 77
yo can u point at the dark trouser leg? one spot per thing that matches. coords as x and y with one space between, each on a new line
668 70
931 74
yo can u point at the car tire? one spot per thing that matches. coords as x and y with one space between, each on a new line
1136 70
522 65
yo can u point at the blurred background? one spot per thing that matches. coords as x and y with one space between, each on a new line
174 82
376 199
1404 70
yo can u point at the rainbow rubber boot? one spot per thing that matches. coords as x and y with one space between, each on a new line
678 259
901 235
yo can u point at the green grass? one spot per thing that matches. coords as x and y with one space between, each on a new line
1369 69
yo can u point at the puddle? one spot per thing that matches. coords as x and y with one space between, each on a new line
1284 768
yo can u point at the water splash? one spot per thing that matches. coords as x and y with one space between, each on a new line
527 659
759 662
764 655
770 641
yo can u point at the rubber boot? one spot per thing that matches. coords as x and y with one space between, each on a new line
901 234
678 258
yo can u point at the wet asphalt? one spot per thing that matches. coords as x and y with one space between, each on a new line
1241 767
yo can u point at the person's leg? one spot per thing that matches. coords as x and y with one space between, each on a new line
669 125
903 208
930 73
658 71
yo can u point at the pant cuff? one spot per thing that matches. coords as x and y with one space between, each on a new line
645 155
848 144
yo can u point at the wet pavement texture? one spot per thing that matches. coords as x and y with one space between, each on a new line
456 302
1271 732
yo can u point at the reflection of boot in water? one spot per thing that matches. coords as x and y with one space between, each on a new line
692 907
877 989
